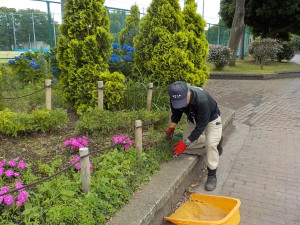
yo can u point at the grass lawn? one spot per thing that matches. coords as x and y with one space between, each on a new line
7 55
248 65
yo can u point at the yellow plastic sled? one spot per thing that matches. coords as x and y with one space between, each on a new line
207 210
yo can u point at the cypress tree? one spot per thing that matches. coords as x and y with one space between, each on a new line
161 47
84 49
132 26
198 45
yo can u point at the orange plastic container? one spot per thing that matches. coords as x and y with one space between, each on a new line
207 210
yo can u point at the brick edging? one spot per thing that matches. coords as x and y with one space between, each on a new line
252 76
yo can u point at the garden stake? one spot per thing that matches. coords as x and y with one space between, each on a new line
138 135
149 96
48 94
85 169
100 94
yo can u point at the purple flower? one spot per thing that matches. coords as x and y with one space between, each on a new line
16 175
19 204
8 200
5 189
66 143
12 163
78 166
19 184
11 61
16 159
9 173
22 165
1 171
23 196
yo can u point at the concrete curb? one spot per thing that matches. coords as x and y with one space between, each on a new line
263 76
159 197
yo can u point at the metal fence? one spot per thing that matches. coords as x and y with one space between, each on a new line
218 34
40 31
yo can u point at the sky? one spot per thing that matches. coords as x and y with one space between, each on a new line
211 7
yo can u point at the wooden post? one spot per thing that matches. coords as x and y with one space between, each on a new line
48 94
85 170
100 94
138 135
149 96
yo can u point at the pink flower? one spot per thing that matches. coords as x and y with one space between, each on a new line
19 204
5 189
8 200
19 184
85 137
79 139
22 165
23 196
16 174
16 159
85 143
3 161
12 163
126 147
66 143
73 147
1 171
78 166
9 173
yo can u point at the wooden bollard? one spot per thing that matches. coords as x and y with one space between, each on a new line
100 94
138 135
48 94
149 96
85 170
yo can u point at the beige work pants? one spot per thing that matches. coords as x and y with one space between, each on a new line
210 138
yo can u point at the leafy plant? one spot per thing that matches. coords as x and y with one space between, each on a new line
162 46
263 49
286 53
84 49
219 55
101 122
131 27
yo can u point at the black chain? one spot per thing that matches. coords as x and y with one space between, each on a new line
23 95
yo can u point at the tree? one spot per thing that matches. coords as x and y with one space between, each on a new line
237 29
161 47
22 21
269 18
132 27
198 46
84 49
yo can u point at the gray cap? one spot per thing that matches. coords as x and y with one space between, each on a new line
178 94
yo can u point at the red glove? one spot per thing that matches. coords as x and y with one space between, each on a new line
170 133
179 148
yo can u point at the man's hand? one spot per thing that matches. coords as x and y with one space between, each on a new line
179 148
170 133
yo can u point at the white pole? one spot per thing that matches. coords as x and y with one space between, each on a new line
33 29
48 94
13 20
149 96
85 170
100 94
138 135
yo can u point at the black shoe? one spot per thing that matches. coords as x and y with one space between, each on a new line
220 146
211 183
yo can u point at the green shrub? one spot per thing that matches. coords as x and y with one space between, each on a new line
131 27
264 49
49 120
163 46
101 122
12 123
84 49
219 55
286 53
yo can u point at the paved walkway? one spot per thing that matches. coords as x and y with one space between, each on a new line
265 172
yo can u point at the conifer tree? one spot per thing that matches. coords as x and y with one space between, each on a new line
132 26
84 49
161 47
198 45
